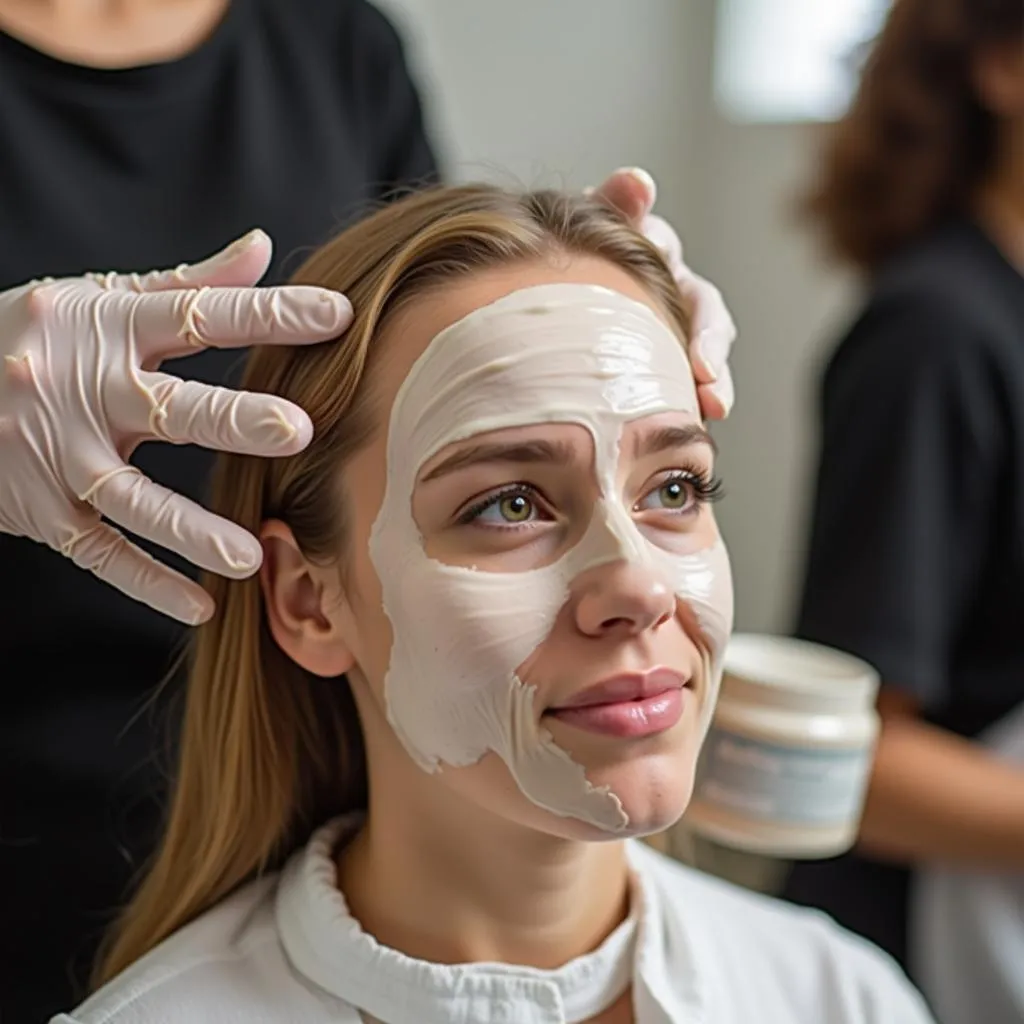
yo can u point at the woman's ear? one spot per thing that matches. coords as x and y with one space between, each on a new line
306 609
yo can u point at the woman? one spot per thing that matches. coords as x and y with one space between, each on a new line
916 559
136 135
484 648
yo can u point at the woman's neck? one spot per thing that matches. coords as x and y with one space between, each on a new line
480 889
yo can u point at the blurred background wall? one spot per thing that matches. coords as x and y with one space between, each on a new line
721 102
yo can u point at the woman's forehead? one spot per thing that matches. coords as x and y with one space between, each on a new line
569 353
409 333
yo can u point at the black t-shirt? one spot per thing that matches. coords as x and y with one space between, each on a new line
916 558
294 116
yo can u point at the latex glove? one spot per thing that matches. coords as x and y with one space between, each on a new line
632 190
80 389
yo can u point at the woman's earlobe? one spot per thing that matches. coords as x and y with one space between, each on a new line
304 620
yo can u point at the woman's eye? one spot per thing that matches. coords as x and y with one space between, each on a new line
681 492
673 494
513 508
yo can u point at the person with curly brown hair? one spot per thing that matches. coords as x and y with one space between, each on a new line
916 557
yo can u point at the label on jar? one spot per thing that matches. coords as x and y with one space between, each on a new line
789 785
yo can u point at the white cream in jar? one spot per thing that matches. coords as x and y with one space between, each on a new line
785 766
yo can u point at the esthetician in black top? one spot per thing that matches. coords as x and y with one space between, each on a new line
133 140
916 559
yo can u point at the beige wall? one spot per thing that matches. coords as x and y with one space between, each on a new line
556 93
562 93
788 308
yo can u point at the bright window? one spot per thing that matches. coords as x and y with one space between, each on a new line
790 60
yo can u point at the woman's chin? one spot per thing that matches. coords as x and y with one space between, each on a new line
651 817
653 798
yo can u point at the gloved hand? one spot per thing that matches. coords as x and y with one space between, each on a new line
80 388
632 190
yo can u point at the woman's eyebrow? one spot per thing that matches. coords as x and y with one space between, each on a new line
520 452
666 438
561 453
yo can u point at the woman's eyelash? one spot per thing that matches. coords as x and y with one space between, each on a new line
486 502
706 486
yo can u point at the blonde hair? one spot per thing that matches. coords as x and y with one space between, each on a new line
268 751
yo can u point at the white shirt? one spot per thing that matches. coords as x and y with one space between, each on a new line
967 928
696 950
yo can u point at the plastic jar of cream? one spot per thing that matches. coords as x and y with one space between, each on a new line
784 769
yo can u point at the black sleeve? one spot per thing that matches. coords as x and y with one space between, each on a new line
392 113
902 514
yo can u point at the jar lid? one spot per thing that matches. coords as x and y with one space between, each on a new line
787 673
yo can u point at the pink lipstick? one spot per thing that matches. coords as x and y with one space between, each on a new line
627 706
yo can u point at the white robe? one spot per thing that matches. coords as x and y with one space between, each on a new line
695 950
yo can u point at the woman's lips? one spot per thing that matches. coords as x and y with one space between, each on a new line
629 706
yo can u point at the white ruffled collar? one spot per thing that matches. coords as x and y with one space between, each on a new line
326 944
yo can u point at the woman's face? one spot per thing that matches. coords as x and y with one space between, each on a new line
536 595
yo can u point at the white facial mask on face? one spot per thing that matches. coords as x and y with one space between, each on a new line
548 354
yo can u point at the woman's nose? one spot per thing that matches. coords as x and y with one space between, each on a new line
621 597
